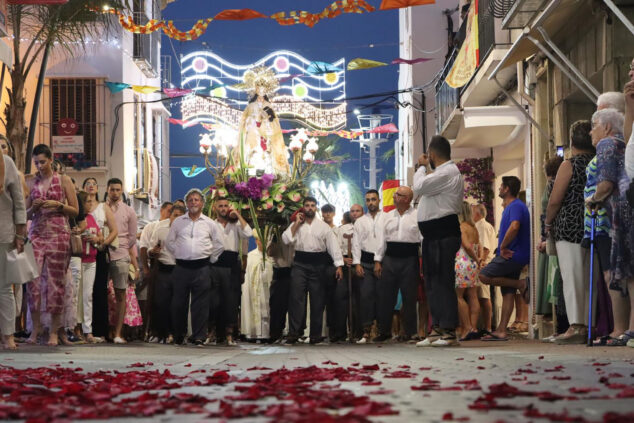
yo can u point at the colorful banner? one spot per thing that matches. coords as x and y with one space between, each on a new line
468 58
400 61
283 18
190 172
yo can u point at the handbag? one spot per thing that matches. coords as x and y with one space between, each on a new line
22 268
115 242
76 245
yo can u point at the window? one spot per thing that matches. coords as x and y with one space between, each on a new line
77 99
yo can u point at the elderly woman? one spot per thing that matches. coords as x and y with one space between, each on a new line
52 200
564 221
611 186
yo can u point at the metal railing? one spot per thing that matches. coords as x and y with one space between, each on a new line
146 48
447 98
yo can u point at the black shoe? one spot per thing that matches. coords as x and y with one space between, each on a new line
199 342
317 341
179 341
381 338
290 341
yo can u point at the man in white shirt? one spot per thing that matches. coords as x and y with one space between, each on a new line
163 285
396 265
195 240
441 193
225 275
145 290
316 248
336 290
364 245
488 241
356 211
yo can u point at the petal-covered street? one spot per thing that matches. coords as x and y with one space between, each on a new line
513 382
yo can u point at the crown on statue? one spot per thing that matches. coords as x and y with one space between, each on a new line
260 77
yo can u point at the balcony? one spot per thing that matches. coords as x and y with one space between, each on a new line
146 48
518 13
493 44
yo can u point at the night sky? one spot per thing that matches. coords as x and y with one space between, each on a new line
242 42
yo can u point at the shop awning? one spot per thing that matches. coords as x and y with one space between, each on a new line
488 126
553 19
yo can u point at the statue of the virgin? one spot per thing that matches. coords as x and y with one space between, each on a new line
260 129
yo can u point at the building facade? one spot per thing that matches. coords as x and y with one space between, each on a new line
542 65
124 134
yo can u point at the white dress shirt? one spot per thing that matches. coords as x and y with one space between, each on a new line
234 232
441 192
397 228
487 236
366 235
159 234
146 234
315 237
195 239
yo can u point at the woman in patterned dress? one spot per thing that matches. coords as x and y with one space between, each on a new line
612 183
564 221
52 200
467 276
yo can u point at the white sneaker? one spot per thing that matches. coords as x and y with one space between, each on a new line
231 343
363 340
550 339
119 340
445 343
153 340
425 342
210 341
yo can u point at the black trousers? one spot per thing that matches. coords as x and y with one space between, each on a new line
100 297
226 292
337 303
278 300
439 261
398 273
197 283
307 279
368 297
161 302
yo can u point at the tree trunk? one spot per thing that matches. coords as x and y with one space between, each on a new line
14 116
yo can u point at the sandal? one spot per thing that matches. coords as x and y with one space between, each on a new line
621 341
493 337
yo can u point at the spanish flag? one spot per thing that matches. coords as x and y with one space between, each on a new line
388 188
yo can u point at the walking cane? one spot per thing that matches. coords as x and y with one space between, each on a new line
593 219
349 238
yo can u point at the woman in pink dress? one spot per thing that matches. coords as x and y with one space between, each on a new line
51 201
467 276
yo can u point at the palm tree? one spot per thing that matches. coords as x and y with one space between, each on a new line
37 29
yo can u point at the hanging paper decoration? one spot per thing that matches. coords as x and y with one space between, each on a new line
331 78
238 15
400 61
115 87
320 68
334 10
177 121
388 128
468 57
145 89
398 4
190 172
175 92
283 18
359 63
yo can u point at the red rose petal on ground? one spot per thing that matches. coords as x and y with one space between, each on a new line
371 383
583 390
481 367
381 392
541 357
371 367
424 368
481 357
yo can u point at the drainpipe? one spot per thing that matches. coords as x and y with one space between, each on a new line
617 12
561 66
564 59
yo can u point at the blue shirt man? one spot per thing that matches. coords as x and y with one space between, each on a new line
513 254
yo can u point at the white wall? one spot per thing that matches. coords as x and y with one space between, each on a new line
422 33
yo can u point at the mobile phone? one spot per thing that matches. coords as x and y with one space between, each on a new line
560 151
